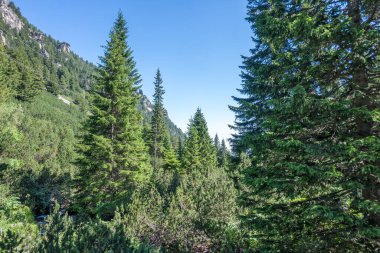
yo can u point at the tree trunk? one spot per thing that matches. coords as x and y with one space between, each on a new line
362 98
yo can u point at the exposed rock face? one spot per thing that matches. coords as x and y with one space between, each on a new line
64 47
3 40
145 103
45 53
40 39
9 16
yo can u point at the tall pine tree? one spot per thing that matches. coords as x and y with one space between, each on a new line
309 119
158 135
114 157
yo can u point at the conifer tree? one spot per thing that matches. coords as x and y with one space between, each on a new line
114 157
308 120
224 156
159 129
30 81
179 150
191 157
216 142
199 152
207 151
5 83
170 160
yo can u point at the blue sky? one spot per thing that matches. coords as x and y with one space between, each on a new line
196 44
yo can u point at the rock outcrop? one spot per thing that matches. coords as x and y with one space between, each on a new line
40 39
64 47
145 103
9 16
3 39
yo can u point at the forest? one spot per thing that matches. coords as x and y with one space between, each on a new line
89 164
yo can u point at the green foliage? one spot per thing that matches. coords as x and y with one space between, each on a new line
202 208
306 121
30 82
158 138
16 222
60 233
114 158
170 161
37 150
13 215
5 76
199 152
224 156
158 131
194 212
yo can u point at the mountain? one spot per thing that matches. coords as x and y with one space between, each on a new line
62 72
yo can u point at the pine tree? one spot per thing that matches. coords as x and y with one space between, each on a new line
199 152
159 129
114 157
170 160
179 150
224 156
30 78
216 142
207 151
308 120
191 157
5 82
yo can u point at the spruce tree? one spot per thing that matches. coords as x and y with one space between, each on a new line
207 151
224 156
216 142
199 152
191 157
5 82
179 150
309 120
159 129
30 78
170 160
114 157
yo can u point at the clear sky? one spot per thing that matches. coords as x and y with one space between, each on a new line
196 44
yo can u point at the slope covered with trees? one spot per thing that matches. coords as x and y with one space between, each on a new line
88 164
81 146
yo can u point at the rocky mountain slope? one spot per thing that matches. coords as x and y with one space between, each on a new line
63 73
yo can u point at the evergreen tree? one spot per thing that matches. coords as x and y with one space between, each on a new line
224 156
30 82
5 83
170 160
179 150
53 83
309 120
114 158
159 129
191 157
216 142
199 152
